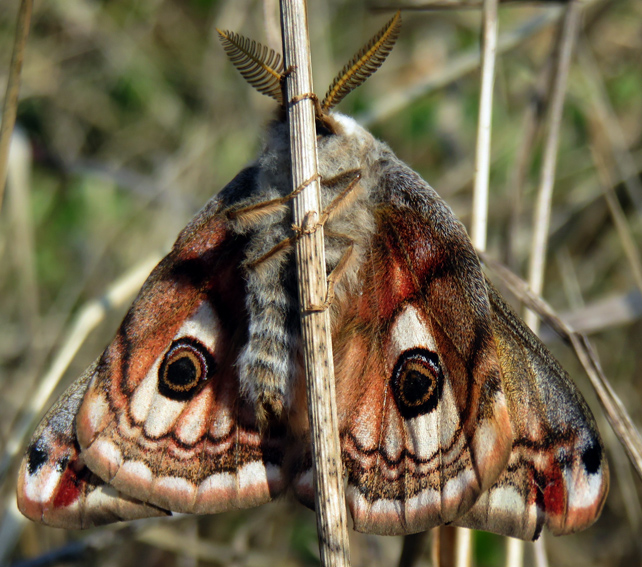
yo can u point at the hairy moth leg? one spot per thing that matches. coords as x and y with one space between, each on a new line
318 110
341 202
247 217
338 204
274 254
269 363
347 259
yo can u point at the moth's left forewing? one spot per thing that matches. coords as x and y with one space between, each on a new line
163 419
557 474
427 426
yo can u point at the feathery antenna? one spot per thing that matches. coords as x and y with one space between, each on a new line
260 65
367 60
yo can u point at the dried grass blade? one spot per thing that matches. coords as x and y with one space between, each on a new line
10 108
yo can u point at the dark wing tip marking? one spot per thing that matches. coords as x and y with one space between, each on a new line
36 458
592 458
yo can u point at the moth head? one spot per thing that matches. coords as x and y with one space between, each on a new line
263 68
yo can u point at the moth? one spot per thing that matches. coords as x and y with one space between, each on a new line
451 411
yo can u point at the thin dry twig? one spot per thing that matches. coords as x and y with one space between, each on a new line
23 249
629 246
619 309
607 146
463 547
514 552
315 325
427 5
11 527
531 127
603 112
541 221
13 88
539 549
484 124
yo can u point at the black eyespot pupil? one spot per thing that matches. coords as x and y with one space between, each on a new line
182 372
417 382
186 365
416 387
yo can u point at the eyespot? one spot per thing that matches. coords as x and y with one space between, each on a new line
417 382
185 366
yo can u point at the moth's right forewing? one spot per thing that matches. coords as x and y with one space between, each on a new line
425 422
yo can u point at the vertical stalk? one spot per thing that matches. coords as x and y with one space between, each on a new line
545 192
484 125
312 285
13 88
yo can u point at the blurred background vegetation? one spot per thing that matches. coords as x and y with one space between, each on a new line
134 118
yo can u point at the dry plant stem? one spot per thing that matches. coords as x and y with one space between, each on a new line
615 411
315 326
539 549
12 524
614 311
427 5
463 547
22 234
603 112
484 124
541 221
13 87
626 481
514 552
516 179
444 545
607 146
87 319
631 249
